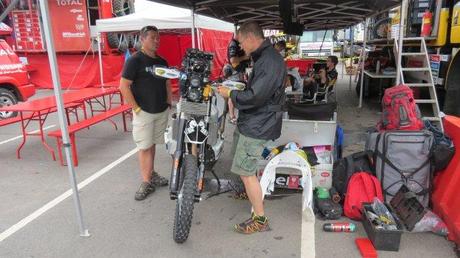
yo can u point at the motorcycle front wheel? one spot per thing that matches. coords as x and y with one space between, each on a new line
186 199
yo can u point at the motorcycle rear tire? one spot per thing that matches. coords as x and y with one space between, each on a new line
184 204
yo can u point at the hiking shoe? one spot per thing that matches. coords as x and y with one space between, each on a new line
144 190
158 180
252 225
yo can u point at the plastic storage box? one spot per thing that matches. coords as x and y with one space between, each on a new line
387 240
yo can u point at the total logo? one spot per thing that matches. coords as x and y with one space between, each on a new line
68 2
6 52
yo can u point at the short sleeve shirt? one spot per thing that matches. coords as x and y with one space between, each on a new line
331 75
148 89
234 50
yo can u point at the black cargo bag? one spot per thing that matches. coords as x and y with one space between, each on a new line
443 148
403 158
345 167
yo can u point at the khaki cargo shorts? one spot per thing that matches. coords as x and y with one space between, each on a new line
149 129
246 152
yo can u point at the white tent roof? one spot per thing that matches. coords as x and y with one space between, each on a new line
137 20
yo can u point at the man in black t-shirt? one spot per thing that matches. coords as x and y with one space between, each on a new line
150 97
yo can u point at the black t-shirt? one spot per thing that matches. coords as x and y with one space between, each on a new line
234 50
148 89
331 76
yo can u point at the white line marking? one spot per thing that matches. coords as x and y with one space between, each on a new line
13 229
20 136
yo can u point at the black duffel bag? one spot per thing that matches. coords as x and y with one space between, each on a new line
304 111
443 149
345 167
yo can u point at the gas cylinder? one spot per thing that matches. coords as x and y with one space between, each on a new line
426 24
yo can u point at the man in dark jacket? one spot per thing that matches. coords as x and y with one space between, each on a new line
259 118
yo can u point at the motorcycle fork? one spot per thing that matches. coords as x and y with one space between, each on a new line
176 167
200 174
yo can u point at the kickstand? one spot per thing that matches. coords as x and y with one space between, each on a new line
219 187
217 178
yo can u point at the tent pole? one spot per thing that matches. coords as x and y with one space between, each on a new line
344 62
60 108
352 53
400 40
363 60
101 72
199 35
193 27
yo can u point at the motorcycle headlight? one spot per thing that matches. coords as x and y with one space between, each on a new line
195 82
194 94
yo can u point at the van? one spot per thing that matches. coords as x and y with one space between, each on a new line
316 44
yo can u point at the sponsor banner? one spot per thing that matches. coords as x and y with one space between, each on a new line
69 21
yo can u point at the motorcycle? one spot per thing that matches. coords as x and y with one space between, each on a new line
195 138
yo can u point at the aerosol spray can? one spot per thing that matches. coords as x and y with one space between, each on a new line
339 227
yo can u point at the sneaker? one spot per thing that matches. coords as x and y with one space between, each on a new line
158 180
252 225
144 190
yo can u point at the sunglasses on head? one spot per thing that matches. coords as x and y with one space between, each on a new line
148 28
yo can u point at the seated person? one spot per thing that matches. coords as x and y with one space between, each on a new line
323 79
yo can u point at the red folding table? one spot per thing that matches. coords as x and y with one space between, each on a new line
40 108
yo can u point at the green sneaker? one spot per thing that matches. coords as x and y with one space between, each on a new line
144 190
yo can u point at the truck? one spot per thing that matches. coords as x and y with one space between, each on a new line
14 80
316 44
443 46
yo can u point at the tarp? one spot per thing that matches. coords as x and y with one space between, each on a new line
75 71
137 20
217 43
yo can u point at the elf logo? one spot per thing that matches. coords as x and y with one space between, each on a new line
6 52
68 2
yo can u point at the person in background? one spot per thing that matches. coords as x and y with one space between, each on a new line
280 46
150 98
239 61
326 77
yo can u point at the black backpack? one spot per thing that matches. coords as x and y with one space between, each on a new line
345 167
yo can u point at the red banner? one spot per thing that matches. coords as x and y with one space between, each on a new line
69 22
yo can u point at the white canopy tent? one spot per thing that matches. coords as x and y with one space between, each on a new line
135 21
183 19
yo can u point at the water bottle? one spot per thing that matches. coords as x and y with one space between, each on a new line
339 227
